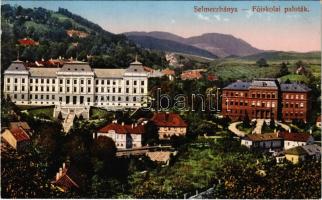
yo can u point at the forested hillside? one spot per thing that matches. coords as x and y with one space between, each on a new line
49 29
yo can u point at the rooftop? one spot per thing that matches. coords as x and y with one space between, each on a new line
262 137
19 134
168 120
123 129
299 137
238 85
296 151
294 87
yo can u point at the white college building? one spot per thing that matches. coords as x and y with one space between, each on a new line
76 86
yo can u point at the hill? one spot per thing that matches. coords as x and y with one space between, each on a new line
282 55
64 34
218 44
169 46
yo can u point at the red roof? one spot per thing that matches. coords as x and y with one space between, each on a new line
148 69
168 120
27 42
299 137
123 129
212 77
19 134
67 180
191 75
168 72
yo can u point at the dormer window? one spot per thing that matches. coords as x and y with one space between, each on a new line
135 70
68 69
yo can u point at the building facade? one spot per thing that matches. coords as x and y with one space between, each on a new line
125 136
169 124
76 85
266 99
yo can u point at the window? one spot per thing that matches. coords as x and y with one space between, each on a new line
142 90
23 80
67 89
82 81
53 81
273 105
302 96
60 99
53 88
258 95
68 81
134 98
8 80
102 89
36 89
31 80
89 90
134 83
301 105
47 88
16 88
113 90
127 90
89 81
47 96
23 88
42 80
114 82
36 80
120 90
82 89
126 98
60 89
61 81
96 82
16 80
96 89
47 80
30 88
108 82
8 88
52 96
75 81
15 96
75 89
119 98
102 82
88 99
134 90
142 82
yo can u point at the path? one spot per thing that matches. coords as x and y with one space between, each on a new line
259 126
233 128
68 122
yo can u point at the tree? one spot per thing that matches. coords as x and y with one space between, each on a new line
246 121
262 62
151 135
283 69
103 148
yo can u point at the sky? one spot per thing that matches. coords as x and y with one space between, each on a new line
293 31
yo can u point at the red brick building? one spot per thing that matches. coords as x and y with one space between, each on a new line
265 99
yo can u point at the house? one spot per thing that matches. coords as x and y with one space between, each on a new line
152 73
212 77
28 42
318 121
16 137
80 34
169 73
301 70
264 142
301 153
169 124
295 154
67 178
295 139
125 136
313 151
191 75
24 125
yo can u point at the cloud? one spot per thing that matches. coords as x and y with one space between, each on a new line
249 13
172 21
217 17
203 17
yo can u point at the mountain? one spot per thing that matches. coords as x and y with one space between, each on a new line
218 44
64 34
169 45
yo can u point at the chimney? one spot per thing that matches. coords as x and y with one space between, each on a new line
166 116
57 176
60 172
